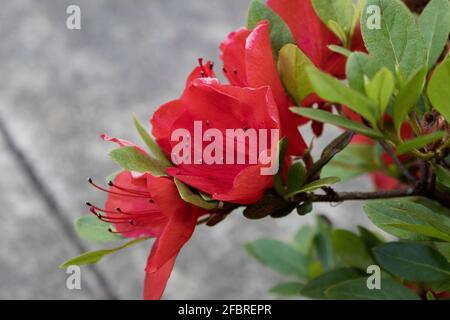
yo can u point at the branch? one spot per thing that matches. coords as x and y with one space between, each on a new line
355 196
409 177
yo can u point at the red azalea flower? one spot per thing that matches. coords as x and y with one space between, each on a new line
245 51
144 205
221 108
249 62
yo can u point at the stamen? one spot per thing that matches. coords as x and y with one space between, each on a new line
117 193
140 193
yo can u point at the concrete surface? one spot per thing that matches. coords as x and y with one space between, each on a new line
60 89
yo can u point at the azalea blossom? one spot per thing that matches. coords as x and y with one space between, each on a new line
219 107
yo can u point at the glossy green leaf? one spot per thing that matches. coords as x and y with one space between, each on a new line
425 229
408 97
357 290
323 243
318 184
420 142
93 229
304 239
442 174
132 159
438 91
282 148
370 238
305 208
315 289
340 121
441 286
388 214
330 151
340 11
280 33
360 65
296 177
151 144
333 90
193 198
341 50
279 256
353 161
93 257
434 24
397 42
292 63
380 89
350 249
412 261
444 249
288 289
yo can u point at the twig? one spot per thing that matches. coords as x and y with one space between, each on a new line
409 177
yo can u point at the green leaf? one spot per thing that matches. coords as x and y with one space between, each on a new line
408 96
132 159
340 11
333 90
442 174
323 243
315 289
340 121
369 238
434 24
426 230
296 177
304 240
350 249
280 34
321 183
389 214
420 142
278 184
360 65
330 151
289 289
93 257
151 144
412 261
398 41
441 286
292 63
444 249
438 89
380 89
357 290
353 161
337 30
341 50
193 198
305 208
279 256
93 229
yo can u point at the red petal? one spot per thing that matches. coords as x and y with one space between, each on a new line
162 122
153 223
233 57
310 33
262 71
155 282
122 143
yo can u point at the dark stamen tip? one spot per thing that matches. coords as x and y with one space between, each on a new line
110 183
89 204
118 210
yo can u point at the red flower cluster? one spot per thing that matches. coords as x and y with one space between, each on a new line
145 205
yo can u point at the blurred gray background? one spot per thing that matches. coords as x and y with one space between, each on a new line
59 90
